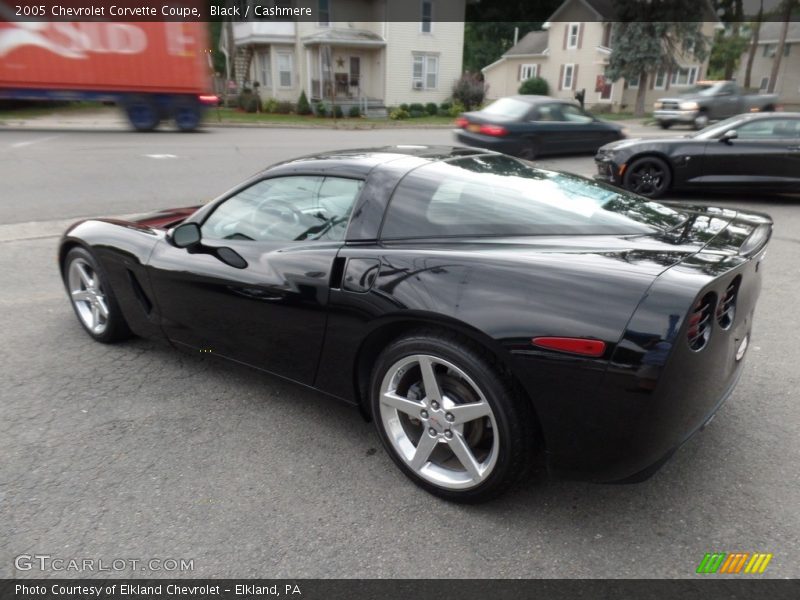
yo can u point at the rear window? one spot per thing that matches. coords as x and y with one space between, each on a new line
508 107
501 196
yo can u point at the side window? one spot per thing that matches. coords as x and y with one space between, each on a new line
549 112
769 129
305 207
574 114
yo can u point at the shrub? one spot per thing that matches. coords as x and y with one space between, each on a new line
416 114
399 113
534 85
404 107
431 108
270 104
354 112
303 107
469 90
445 106
416 107
337 112
456 109
321 109
284 108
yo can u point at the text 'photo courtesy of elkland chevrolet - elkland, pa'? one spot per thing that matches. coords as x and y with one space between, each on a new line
305 297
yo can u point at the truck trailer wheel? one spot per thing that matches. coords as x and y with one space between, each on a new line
142 114
187 115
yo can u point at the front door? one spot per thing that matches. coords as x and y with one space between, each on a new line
355 76
270 312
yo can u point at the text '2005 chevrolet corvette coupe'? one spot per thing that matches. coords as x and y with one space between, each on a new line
488 316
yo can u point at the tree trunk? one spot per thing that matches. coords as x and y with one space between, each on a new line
776 62
730 64
639 109
753 45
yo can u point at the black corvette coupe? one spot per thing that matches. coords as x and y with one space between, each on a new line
756 151
535 126
487 315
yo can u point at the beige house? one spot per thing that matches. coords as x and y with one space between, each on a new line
354 55
787 85
571 53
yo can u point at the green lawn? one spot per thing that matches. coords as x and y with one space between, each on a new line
230 115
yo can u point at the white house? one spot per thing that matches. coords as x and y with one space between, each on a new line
787 84
354 55
571 53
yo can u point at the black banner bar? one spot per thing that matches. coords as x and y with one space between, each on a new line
702 588
477 11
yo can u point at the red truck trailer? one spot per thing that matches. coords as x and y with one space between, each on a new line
154 70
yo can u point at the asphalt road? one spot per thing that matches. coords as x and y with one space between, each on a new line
139 451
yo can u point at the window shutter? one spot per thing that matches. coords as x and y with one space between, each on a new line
566 32
580 35
575 77
519 73
561 78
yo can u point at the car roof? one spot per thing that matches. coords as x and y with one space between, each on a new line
534 99
358 162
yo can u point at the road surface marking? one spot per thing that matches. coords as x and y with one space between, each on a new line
36 141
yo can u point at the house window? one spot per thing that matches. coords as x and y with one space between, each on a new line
528 71
264 69
285 69
324 12
633 82
661 80
567 78
425 72
764 84
684 76
771 49
573 35
426 23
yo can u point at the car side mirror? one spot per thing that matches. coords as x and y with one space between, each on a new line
185 235
729 136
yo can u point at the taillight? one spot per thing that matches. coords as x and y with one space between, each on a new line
582 346
495 130
461 122
209 99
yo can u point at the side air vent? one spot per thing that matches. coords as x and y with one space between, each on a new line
700 322
727 306
139 292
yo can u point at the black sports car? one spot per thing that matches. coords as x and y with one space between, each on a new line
533 126
483 312
756 151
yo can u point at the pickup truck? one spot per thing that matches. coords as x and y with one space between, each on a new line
710 101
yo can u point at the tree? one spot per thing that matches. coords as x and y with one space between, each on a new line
726 53
786 11
485 42
751 54
649 37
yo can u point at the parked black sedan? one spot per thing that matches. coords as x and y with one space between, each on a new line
533 126
482 312
756 151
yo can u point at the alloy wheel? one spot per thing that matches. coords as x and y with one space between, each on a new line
88 296
439 422
648 178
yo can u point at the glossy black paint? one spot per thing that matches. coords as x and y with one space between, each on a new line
320 312
713 164
529 136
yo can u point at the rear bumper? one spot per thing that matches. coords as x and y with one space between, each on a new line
675 116
506 145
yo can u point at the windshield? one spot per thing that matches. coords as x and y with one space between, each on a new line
713 131
703 89
508 107
501 196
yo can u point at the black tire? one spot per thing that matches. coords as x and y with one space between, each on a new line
648 176
142 114
115 328
701 121
513 422
188 115
529 152
665 124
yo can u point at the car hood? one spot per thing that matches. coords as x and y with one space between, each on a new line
164 219
628 143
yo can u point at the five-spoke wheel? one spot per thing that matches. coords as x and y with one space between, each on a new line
448 418
92 297
649 176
